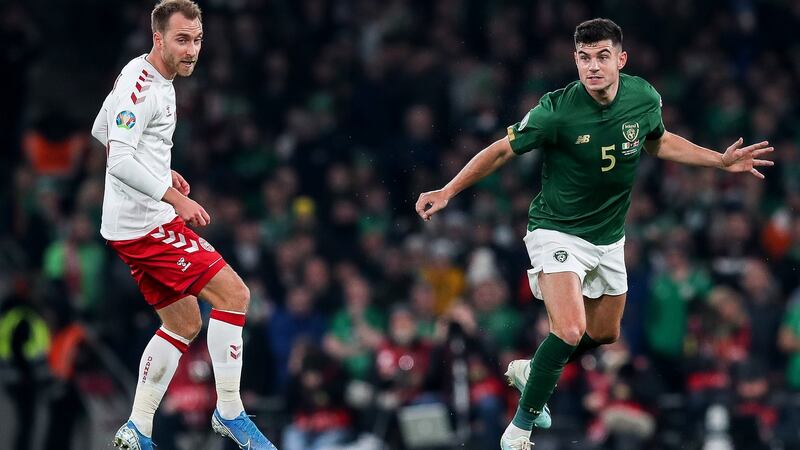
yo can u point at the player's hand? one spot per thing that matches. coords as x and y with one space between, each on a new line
745 159
429 203
189 210
192 213
180 183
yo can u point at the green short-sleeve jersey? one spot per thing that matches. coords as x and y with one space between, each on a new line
590 153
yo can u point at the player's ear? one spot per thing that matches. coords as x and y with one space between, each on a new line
623 59
158 40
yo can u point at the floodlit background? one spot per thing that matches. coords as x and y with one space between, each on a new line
308 131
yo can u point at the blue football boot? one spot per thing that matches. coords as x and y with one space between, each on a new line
128 437
242 430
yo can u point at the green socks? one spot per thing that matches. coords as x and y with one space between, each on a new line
546 366
586 344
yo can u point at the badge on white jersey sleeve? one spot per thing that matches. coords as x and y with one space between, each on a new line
131 109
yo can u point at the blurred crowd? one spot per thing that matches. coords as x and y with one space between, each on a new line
308 131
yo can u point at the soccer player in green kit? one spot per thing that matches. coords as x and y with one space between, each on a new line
591 134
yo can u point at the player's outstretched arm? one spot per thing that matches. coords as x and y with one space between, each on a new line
736 158
482 164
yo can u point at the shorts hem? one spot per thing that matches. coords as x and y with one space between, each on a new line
593 297
619 293
161 304
580 272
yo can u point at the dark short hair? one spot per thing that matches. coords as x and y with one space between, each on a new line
597 30
164 9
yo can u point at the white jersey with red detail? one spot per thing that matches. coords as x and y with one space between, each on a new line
138 113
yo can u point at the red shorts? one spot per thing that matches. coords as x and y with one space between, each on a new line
170 262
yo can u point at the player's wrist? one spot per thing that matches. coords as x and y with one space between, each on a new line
172 196
721 163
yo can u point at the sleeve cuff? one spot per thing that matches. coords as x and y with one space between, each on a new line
514 141
160 193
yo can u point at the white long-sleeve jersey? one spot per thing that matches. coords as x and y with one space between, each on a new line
136 123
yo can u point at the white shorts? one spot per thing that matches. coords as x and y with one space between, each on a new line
601 268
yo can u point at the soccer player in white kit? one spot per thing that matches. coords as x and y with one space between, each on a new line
146 210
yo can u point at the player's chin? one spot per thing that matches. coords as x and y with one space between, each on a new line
596 84
185 70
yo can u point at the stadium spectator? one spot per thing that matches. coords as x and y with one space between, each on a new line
296 320
356 330
315 396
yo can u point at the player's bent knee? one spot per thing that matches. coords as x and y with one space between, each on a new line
193 328
185 327
571 334
241 297
244 296
607 338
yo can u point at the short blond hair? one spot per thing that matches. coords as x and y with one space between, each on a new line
164 9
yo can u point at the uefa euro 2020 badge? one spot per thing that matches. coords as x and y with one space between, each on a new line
126 119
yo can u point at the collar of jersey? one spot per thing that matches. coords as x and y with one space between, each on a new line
156 72
593 103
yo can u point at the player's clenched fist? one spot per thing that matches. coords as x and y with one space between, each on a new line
430 203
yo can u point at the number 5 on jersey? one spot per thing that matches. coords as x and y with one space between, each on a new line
611 160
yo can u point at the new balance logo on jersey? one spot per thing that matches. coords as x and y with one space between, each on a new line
177 240
583 139
184 264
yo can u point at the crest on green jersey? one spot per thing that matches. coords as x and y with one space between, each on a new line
560 255
630 131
